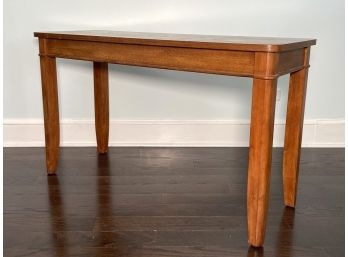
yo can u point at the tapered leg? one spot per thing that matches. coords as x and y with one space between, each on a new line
293 134
51 111
101 105
260 157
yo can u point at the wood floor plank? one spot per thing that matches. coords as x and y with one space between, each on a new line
166 202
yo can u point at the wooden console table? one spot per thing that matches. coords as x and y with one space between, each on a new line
263 59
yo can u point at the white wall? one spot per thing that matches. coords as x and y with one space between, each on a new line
151 94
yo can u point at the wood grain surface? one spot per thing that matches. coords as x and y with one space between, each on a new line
293 131
101 105
263 59
239 43
166 202
51 111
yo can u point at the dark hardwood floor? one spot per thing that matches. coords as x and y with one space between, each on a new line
165 202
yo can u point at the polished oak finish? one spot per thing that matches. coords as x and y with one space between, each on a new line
51 111
258 44
213 54
293 131
101 105
166 202
206 60
263 59
260 157
260 150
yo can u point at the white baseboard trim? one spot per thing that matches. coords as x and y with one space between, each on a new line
25 133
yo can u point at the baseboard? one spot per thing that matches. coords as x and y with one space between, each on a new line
25 133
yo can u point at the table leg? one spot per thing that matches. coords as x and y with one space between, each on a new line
51 111
260 157
293 134
101 105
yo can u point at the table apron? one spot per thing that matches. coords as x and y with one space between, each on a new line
225 62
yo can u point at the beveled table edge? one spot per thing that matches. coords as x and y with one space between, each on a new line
302 42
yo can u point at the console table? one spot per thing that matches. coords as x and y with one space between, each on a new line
263 59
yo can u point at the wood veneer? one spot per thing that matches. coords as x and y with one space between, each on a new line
263 59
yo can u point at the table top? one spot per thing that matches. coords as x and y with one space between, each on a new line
238 43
